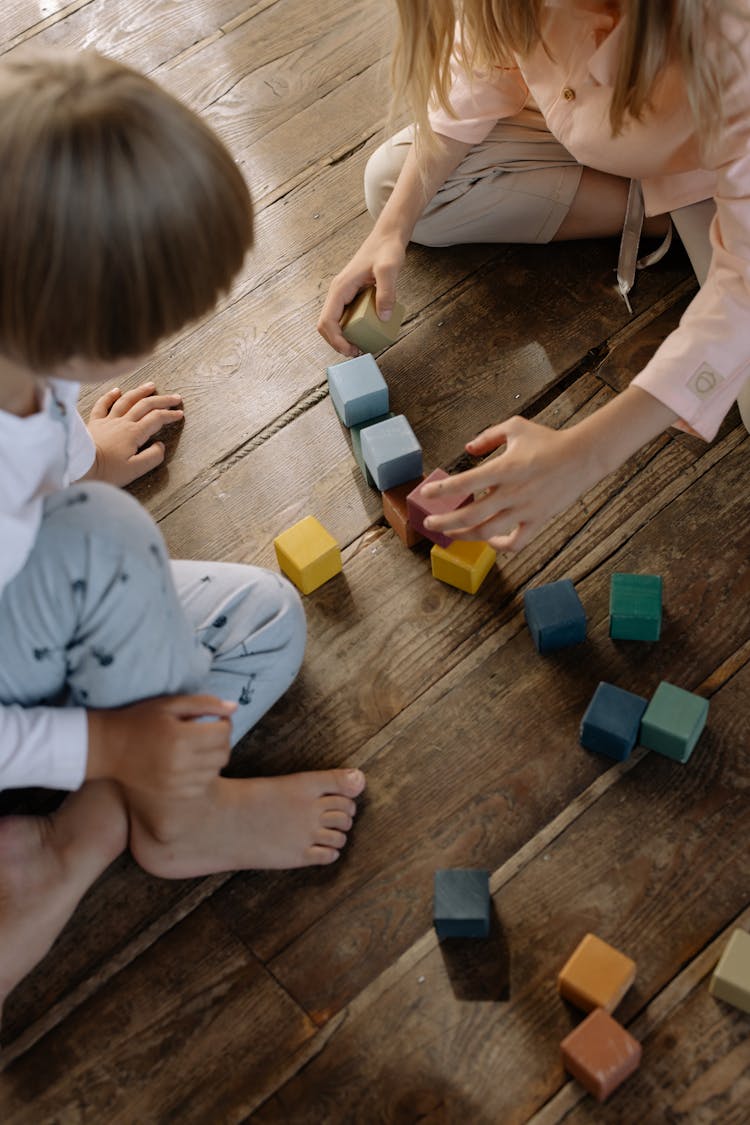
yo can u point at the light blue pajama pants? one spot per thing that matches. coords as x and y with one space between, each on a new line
100 617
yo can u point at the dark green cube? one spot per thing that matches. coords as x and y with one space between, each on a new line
673 721
635 607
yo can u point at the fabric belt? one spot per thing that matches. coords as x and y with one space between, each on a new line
628 261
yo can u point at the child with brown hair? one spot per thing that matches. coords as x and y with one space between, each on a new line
538 120
123 676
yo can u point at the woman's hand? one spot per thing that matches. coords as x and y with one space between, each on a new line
539 473
377 262
121 424
542 471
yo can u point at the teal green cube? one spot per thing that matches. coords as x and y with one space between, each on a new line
355 432
635 607
673 721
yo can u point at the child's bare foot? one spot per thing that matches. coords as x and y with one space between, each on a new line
46 866
298 820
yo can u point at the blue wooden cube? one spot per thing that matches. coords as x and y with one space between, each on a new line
673 721
358 390
391 452
355 432
612 721
462 903
635 607
555 616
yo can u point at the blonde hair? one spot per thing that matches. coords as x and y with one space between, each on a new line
492 33
122 215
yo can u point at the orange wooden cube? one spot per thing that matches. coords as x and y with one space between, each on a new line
595 975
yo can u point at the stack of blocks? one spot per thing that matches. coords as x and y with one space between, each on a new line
390 458
599 1053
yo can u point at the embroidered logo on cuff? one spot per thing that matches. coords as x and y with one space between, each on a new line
705 381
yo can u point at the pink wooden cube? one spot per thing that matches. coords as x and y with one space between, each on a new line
419 508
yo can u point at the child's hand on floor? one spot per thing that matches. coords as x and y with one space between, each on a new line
121 424
158 747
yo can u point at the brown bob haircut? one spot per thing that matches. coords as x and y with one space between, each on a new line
122 215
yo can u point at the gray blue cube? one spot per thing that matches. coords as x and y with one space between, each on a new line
462 903
554 615
355 432
612 721
358 390
391 452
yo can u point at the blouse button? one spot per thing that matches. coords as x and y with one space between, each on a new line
569 94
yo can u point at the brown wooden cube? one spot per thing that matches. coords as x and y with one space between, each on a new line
600 1054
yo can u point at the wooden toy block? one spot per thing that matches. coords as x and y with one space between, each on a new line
635 607
731 978
307 554
395 512
673 721
362 326
355 432
596 975
358 390
420 508
555 616
462 903
391 452
612 721
600 1054
465 564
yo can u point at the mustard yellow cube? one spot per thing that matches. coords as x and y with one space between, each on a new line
307 554
464 564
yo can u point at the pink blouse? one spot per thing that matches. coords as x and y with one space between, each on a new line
700 368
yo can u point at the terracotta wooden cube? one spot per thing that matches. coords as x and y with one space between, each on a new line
596 975
307 554
397 515
600 1054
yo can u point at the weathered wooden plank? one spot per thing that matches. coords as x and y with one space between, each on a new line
192 1031
141 33
19 18
417 1051
489 798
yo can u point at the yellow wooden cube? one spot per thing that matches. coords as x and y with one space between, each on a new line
362 326
464 564
307 554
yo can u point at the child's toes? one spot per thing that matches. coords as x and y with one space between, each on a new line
332 818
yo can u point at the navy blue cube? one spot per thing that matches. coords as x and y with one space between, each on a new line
612 721
555 616
462 903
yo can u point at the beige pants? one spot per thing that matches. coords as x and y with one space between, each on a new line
516 186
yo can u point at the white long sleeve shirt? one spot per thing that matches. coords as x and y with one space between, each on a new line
39 454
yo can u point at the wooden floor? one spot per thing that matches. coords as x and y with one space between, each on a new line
323 996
